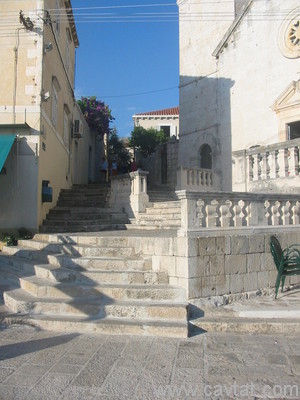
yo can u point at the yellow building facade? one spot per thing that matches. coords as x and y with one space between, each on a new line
45 143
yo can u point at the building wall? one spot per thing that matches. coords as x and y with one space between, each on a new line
157 122
36 64
226 96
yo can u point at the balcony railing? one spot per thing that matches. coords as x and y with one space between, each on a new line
221 210
195 179
272 163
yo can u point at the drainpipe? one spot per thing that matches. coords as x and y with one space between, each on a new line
16 50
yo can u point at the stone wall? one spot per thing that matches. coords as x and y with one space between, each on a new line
218 265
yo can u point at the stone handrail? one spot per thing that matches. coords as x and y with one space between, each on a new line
273 162
236 210
195 179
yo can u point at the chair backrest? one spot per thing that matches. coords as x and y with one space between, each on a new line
276 250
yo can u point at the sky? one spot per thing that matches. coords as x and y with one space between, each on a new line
128 56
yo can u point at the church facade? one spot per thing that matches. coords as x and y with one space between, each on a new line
240 93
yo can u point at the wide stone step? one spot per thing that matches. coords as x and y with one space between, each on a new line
42 288
63 222
83 228
160 216
165 211
14 267
57 273
167 204
85 240
72 216
82 203
149 227
33 249
102 263
82 210
162 328
20 301
172 223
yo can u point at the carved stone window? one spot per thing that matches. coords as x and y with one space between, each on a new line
289 35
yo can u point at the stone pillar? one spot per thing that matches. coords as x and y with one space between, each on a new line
139 197
189 215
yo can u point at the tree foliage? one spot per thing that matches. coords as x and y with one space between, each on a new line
146 140
117 149
96 113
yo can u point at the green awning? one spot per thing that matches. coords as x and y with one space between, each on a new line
6 142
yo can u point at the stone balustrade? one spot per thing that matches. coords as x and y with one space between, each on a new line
263 168
195 179
221 210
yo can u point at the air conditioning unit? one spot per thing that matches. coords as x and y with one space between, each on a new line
77 128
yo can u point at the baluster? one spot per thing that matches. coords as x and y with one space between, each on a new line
202 178
198 178
293 163
256 167
295 213
268 212
225 215
282 163
201 215
286 215
238 215
212 215
265 166
245 212
250 167
275 214
272 164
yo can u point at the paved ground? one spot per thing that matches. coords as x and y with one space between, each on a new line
40 365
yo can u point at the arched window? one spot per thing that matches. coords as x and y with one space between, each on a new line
205 157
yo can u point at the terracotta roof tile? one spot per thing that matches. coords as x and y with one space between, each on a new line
166 111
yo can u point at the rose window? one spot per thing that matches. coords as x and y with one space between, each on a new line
294 34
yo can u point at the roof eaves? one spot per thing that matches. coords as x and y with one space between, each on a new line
70 14
232 28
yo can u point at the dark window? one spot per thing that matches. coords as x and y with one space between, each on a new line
166 130
293 130
205 157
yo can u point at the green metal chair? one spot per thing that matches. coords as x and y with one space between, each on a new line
287 261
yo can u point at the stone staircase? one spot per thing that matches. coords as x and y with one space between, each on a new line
91 283
163 212
84 208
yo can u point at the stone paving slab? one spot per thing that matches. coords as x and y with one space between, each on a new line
43 365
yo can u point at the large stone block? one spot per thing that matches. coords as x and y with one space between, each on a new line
236 284
222 285
253 262
262 279
256 243
217 265
182 267
208 286
186 247
239 244
195 288
163 247
207 246
198 266
250 282
267 262
235 264
164 264
223 245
